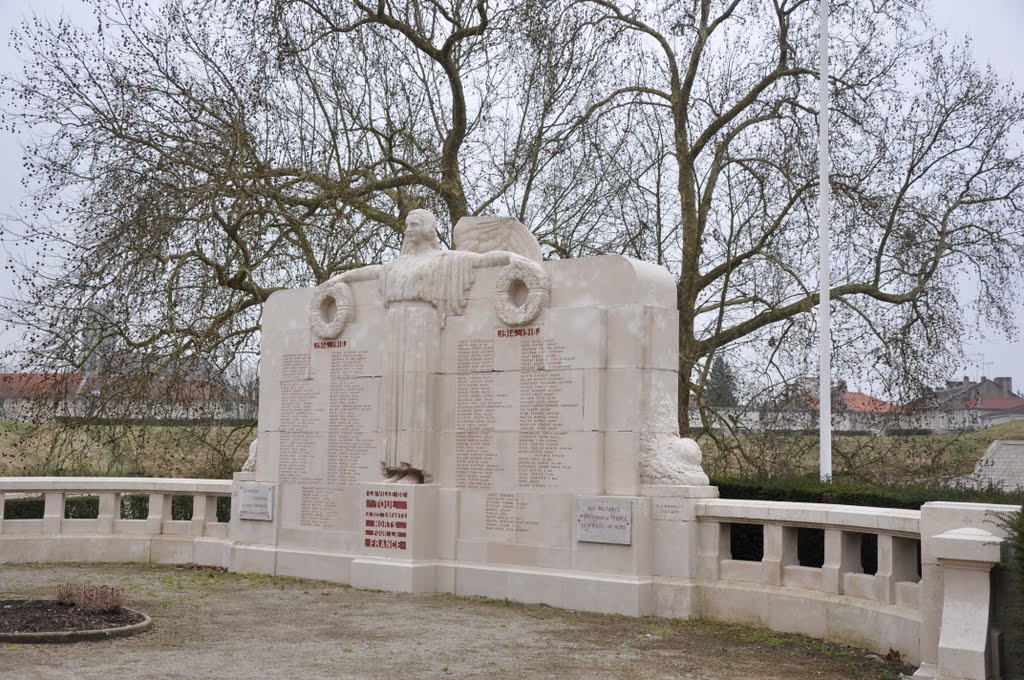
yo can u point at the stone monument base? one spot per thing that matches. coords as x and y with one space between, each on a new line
631 555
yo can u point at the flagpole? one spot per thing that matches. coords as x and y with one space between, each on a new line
824 247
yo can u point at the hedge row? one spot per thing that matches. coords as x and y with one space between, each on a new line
133 506
804 490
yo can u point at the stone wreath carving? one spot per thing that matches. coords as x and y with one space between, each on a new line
521 272
331 309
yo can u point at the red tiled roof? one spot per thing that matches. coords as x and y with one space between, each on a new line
31 385
991 403
858 401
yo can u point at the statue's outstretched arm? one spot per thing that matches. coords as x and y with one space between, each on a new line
366 273
497 258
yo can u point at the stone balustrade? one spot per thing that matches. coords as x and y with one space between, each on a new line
842 534
110 537
917 582
927 593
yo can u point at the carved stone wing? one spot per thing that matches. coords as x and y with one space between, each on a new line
484 234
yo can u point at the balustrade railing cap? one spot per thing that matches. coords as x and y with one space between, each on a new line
115 485
968 544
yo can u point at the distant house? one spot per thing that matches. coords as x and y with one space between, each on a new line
1000 417
851 411
795 408
959 405
966 404
50 396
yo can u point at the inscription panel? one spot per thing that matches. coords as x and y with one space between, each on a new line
540 406
516 517
477 464
500 512
256 502
352 439
604 520
386 515
295 366
672 509
303 408
487 402
474 355
328 436
320 507
546 395
301 456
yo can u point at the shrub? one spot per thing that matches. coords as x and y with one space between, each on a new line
812 490
93 599
1013 524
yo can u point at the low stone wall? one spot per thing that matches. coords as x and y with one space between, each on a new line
109 538
928 596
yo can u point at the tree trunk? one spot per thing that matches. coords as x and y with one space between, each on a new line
687 359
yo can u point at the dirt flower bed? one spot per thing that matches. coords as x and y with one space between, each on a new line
47 616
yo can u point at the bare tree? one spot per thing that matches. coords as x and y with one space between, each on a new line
926 176
192 157
195 156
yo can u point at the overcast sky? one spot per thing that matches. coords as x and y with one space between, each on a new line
994 25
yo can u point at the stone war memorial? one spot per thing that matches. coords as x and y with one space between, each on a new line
474 421
482 422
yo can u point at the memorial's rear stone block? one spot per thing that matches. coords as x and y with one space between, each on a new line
451 418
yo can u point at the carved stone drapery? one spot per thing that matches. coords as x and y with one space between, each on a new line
421 288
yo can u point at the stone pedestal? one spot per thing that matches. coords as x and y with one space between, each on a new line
674 547
966 556
956 564
399 539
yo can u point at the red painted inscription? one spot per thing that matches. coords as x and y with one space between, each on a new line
387 517
518 332
330 344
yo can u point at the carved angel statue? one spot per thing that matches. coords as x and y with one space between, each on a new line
420 288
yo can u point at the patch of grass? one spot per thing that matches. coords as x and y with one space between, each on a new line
48 448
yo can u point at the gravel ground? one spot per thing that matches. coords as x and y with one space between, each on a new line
218 625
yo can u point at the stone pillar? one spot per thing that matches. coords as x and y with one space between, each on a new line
897 562
110 509
159 512
714 546
204 509
53 512
939 518
842 556
966 556
677 548
780 550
